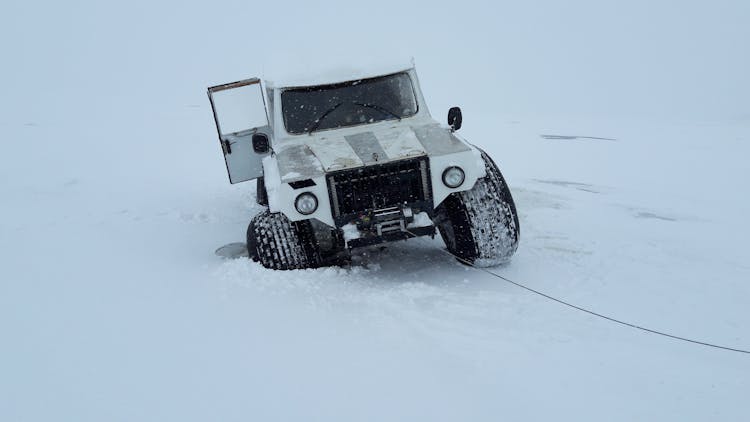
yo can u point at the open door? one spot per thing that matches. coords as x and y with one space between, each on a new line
240 115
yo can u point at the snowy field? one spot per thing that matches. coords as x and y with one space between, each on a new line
623 132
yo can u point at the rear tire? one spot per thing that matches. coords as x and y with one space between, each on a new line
480 226
280 244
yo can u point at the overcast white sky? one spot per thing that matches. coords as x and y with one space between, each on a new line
667 58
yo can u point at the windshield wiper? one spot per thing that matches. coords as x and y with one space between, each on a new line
379 108
323 116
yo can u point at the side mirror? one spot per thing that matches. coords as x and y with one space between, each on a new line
260 143
454 118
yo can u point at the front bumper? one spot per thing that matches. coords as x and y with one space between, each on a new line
368 239
386 225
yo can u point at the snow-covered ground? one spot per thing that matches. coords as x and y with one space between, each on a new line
630 183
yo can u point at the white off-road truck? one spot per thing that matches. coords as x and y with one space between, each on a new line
356 162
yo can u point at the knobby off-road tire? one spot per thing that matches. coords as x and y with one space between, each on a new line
481 225
280 244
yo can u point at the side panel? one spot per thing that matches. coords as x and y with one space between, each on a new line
281 196
470 161
240 112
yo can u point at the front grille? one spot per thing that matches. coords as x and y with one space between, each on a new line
379 186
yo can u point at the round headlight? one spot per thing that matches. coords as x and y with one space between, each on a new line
453 177
306 203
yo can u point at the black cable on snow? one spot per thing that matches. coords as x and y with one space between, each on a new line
590 312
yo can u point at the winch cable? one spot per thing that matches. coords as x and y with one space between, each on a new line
588 311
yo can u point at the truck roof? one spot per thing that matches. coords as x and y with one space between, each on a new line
325 76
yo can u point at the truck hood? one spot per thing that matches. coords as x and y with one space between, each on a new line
305 157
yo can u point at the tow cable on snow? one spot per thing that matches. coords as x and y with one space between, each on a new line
590 312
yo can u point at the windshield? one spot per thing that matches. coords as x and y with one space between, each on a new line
348 104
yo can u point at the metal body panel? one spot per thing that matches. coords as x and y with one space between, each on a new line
367 147
354 147
333 152
242 162
468 160
239 111
297 162
400 142
438 140
281 195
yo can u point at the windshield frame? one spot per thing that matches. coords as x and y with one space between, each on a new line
353 82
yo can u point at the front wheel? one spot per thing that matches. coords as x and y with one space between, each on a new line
280 244
480 226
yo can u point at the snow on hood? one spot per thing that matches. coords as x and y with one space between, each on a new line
305 157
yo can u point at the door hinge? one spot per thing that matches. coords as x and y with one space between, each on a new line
227 146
